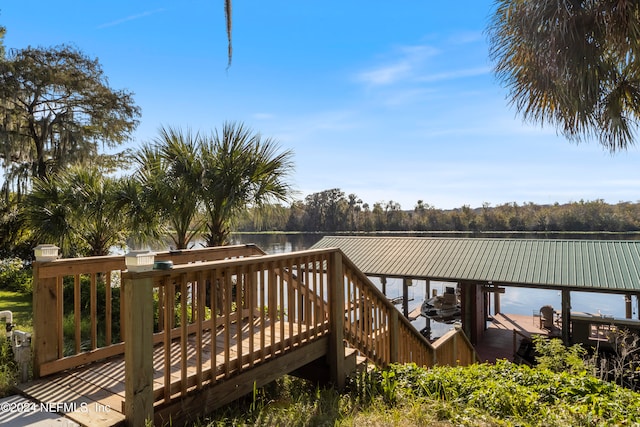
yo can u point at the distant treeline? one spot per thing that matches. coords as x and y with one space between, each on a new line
332 210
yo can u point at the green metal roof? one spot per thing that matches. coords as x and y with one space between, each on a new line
587 265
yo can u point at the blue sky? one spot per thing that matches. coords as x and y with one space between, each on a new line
388 102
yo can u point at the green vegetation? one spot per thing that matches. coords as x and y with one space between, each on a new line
14 276
571 65
200 185
481 394
8 368
58 110
332 210
20 305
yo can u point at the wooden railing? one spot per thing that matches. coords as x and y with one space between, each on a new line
216 314
376 328
370 317
218 319
77 305
453 349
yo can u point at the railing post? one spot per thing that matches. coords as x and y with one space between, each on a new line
138 346
456 359
336 320
394 336
45 315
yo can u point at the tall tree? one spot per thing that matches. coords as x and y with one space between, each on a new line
240 170
56 109
572 64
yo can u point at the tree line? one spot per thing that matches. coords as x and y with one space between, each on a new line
334 211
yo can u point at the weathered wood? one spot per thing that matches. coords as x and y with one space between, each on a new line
138 353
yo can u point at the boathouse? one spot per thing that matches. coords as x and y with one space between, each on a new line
485 266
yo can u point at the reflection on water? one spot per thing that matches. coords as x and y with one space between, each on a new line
277 243
524 301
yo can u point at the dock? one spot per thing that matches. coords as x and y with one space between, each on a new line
504 334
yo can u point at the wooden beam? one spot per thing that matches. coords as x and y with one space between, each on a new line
45 325
566 316
394 343
405 296
494 288
138 349
336 320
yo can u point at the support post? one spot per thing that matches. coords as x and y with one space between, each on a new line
47 321
405 296
496 299
628 306
394 343
336 325
138 349
427 288
566 316
383 282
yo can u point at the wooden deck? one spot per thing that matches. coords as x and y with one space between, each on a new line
504 334
94 394
170 345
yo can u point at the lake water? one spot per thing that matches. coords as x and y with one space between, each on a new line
515 300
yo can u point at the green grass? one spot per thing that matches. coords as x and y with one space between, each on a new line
21 305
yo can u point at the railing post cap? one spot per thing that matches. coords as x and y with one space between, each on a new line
139 260
46 252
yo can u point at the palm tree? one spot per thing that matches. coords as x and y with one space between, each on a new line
572 64
78 209
240 170
169 173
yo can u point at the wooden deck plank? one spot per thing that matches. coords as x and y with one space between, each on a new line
61 389
497 340
99 388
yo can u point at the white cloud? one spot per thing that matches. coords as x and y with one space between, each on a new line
455 74
263 116
408 60
386 74
130 18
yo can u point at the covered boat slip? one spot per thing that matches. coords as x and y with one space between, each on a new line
485 266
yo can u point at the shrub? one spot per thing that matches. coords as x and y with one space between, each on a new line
515 394
8 368
555 356
14 276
